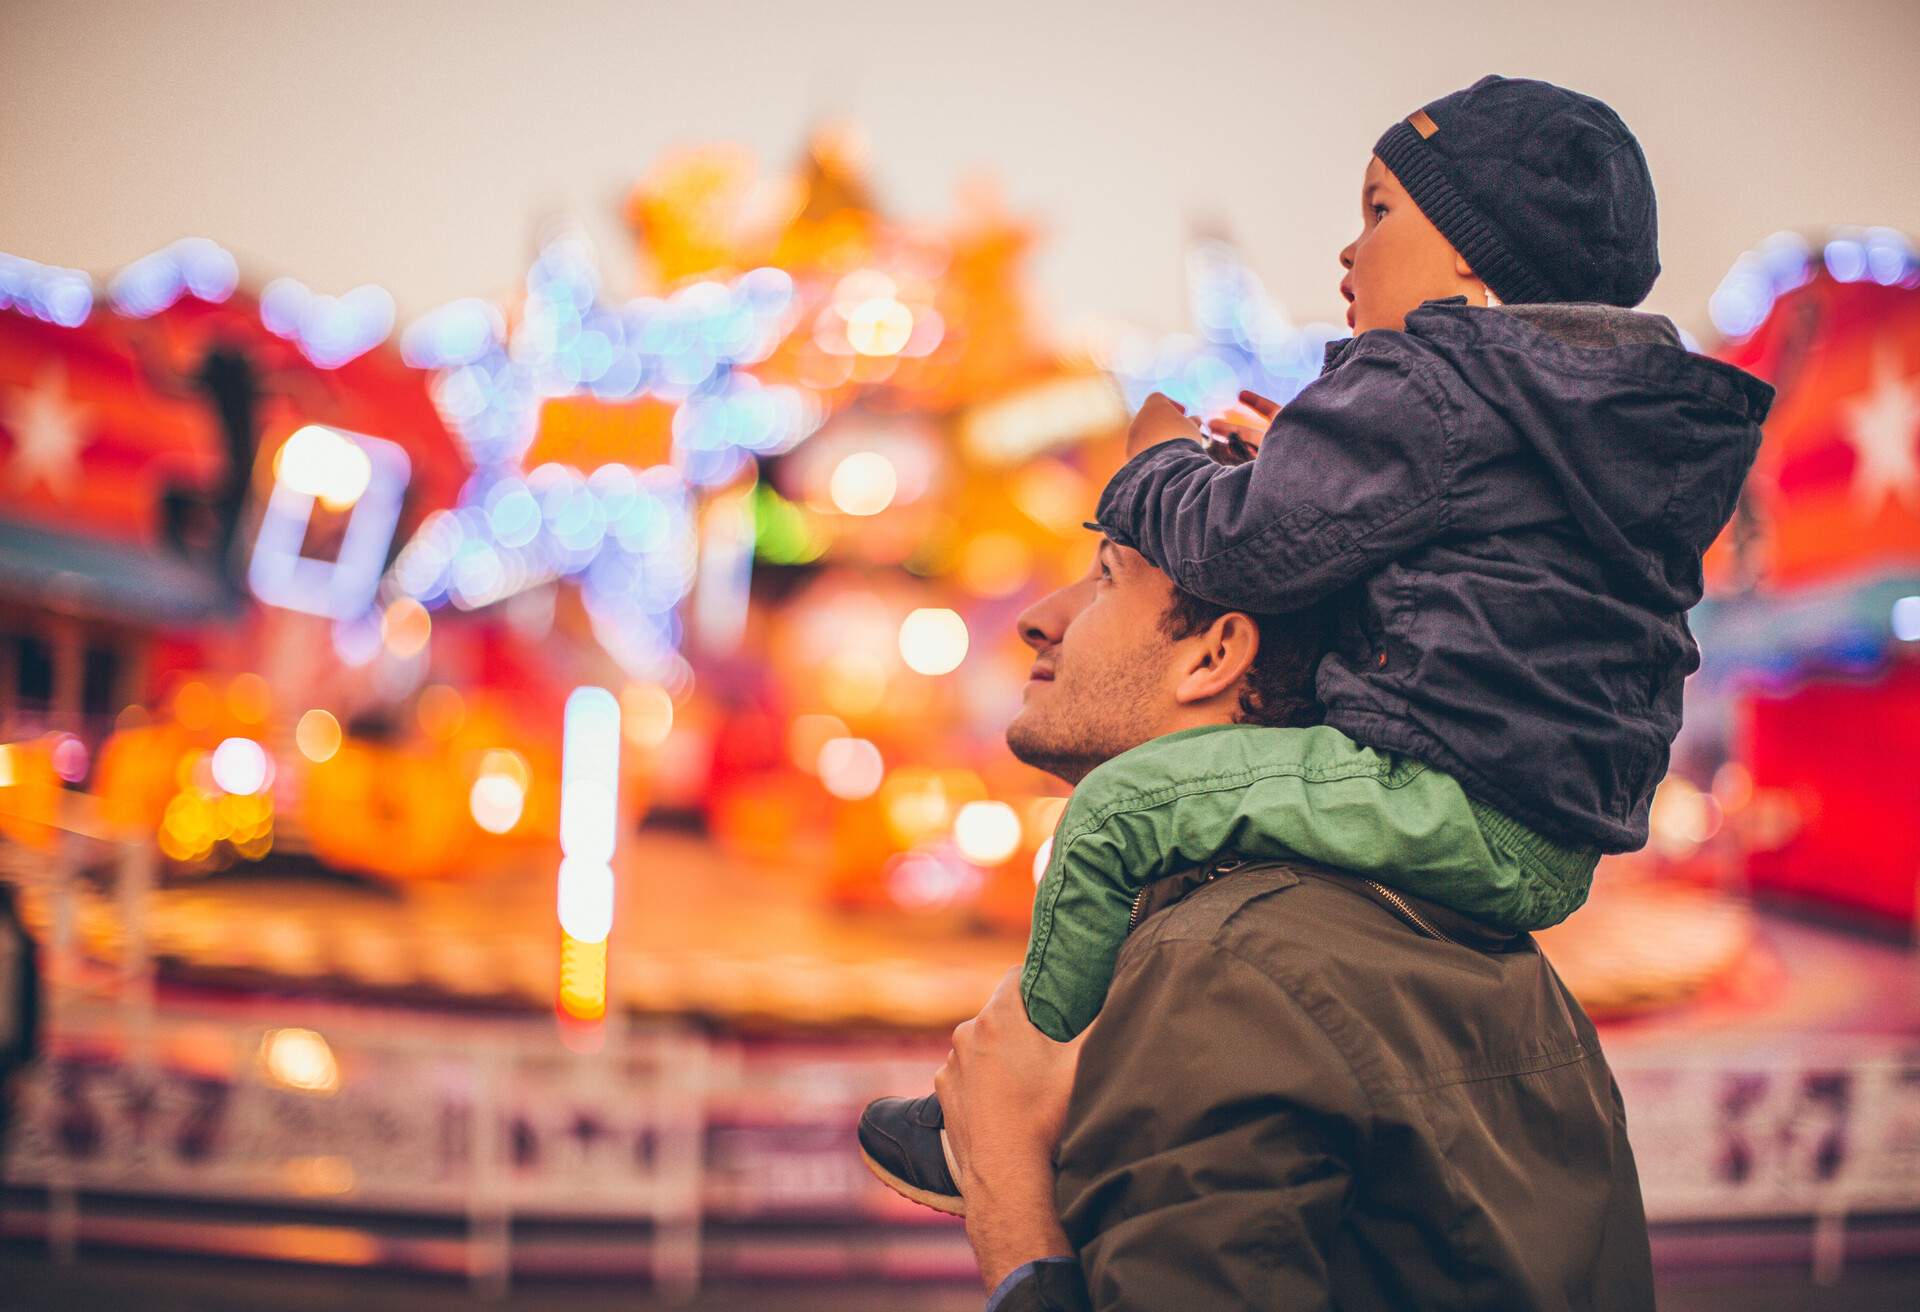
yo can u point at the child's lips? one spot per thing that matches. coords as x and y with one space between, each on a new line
1349 316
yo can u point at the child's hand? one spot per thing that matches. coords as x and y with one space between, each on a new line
1234 438
1160 420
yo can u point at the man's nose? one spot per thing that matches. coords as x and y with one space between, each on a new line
1039 624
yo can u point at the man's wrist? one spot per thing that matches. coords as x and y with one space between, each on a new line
1011 1221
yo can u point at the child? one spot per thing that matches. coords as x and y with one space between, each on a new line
1503 484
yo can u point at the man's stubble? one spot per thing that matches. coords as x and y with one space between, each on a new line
1087 716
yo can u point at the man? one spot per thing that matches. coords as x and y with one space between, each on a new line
1304 1089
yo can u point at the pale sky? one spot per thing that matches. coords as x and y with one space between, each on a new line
419 144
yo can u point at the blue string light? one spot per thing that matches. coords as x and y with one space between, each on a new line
1244 342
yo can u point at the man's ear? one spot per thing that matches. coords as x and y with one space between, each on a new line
1217 659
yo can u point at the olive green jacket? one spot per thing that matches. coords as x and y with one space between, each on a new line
1304 1093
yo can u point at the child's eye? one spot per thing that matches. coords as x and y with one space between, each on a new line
1379 210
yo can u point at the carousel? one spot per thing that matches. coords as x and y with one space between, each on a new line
500 796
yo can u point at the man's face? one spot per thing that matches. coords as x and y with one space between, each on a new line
1103 678
1399 259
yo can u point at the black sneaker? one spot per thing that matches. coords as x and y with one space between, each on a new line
904 1142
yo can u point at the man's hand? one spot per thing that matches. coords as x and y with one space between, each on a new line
1003 1092
1160 420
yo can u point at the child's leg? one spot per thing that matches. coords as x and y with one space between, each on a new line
1175 802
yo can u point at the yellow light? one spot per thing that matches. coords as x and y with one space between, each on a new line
441 711
6 765
879 326
583 978
808 734
917 804
299 1059
317 735
511 764
247 698
1051 494
995 565
646 714
933 640
863 483
1043 817
854 682
325 464
405 628
319 1177
194 705
850 768
986 833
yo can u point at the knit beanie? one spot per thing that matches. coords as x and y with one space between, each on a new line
1544 191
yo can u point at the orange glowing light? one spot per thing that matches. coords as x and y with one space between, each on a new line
583 978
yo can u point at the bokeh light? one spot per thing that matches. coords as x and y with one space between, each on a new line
324 464
850 768
299 1059
808 734
441 711
864 483
495 801
986 833
405 628
240 766
249 698
585 899
69 757
317 735
646 714
933 640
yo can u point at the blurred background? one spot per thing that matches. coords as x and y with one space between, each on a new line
511 521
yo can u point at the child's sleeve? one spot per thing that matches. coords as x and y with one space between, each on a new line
1351 474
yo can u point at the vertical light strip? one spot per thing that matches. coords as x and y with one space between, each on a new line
589 826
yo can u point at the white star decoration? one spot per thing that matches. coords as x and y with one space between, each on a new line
1882 425
46 430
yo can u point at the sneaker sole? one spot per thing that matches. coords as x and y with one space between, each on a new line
950 1204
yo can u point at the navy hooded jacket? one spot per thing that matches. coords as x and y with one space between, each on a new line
1512 503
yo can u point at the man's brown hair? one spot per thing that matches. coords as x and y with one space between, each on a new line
1279 688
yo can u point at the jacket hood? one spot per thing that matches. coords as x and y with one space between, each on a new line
1649 442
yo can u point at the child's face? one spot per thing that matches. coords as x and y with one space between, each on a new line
1399 259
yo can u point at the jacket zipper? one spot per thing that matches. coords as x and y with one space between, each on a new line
1140 898
1400 904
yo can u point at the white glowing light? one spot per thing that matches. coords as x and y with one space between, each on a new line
933 640
850 768
586 899
1040 859
240 766
879 325
326 464
1906 619
341 588
496 802
589 780
986 833
299 1059
864 483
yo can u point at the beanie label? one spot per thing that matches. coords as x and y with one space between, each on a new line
1423 123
